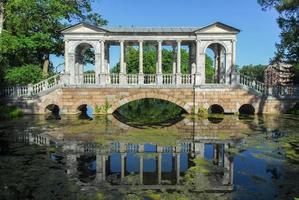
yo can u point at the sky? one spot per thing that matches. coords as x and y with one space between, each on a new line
256 41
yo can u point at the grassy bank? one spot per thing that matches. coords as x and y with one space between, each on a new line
10 112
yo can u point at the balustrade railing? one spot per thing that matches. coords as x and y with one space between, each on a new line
114 79
253 84
89 78
168 79
276 91
186 79
132 79
45 84
150 79
27 90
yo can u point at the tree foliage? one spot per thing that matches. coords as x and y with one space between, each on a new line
24 75
288 21
254 71
150 59
32 29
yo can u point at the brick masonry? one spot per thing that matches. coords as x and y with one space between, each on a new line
231 99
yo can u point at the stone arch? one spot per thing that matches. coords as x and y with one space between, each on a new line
95 45
128 99
219 58
215 42
247 109
52 108
216 109
83 111
84 68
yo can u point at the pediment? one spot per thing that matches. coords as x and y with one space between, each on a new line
83 28
218 28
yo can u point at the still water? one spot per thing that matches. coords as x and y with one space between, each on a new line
219 157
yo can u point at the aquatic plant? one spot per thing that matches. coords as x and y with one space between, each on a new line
10 112
103 109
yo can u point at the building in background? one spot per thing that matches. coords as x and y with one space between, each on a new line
279 74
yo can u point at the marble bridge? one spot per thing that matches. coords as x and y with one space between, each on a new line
77 86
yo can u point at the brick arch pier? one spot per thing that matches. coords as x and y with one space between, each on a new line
230 99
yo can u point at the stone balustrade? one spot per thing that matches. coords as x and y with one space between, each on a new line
165 80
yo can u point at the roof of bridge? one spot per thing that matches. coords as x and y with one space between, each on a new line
133 29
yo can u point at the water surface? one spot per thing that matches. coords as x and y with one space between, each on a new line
220 157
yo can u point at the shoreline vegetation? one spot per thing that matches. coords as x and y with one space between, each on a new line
10 112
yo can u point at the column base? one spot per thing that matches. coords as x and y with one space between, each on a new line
65 79
140 79
102 80
178 78
123 79
198 79
159 79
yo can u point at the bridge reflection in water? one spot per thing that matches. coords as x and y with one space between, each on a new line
153 166
148 165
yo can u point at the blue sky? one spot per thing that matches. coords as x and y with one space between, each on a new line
259 30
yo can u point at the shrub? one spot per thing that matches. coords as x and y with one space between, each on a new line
10 112
23 75
202 112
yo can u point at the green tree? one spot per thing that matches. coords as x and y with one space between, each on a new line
254 71
31 29
210 70
23 75
150 60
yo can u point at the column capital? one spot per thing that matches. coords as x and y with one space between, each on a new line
121 41
140 41
198 41
160 41
179 41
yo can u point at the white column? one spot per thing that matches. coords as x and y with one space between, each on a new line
178 64
234 75
66 61
141 169
140 57
140 75
197 71
72 65
159 67
159 57
159 151
122 163
122 74
102 74
178 57
122 58
228 67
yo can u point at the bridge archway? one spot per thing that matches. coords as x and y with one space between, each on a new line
85 63
215 69
247 109
216 109
52 108
126 100
85 111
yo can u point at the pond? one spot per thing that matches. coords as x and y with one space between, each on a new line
101 157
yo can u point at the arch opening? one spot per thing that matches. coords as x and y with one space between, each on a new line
53 111
246 109
86 112
85 63
87 168
216 109
215 59
148 112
